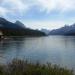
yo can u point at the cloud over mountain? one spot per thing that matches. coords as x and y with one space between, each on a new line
36 9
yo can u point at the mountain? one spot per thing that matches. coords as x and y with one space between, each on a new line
6 24
17 29
66 30
20 24
45 31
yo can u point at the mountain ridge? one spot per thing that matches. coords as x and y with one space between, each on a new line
66 30
11 29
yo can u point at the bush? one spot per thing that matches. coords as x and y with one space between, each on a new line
21 67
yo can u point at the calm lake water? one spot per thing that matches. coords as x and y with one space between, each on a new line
54 49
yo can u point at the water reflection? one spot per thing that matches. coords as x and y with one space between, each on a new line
54 49
9 48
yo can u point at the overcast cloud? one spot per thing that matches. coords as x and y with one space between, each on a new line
40 10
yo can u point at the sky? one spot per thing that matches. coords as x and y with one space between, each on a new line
37 14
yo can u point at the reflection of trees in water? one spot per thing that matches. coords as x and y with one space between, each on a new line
10 46
19 45
4 49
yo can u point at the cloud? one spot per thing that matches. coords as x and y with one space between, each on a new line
3 11
17 5
67 5
1 1
60 5
44 24
22 6
47 5
13 7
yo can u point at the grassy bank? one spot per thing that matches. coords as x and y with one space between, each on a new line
20 67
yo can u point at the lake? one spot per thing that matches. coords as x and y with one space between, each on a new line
54 49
